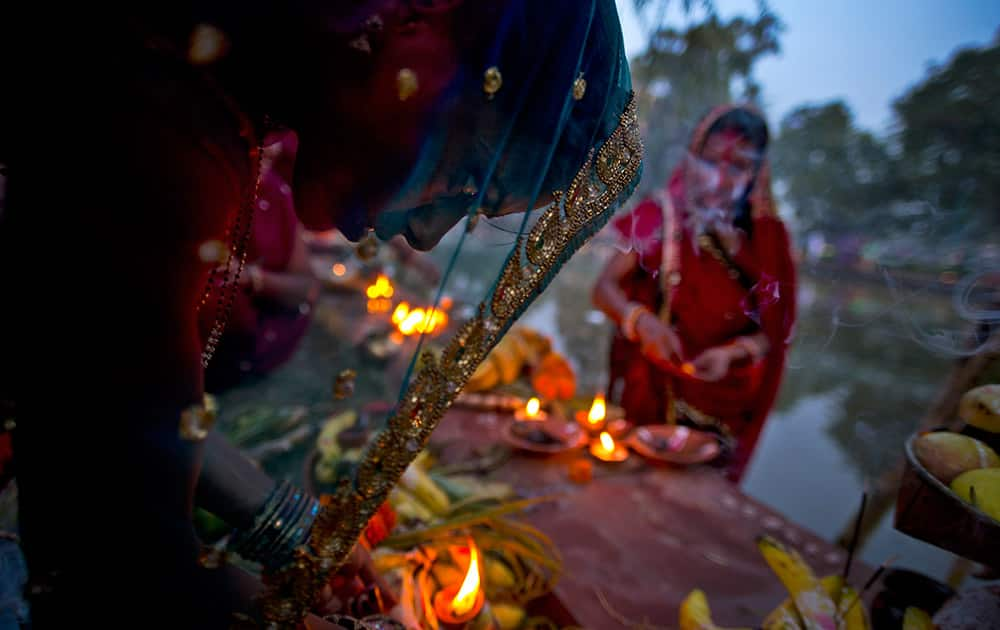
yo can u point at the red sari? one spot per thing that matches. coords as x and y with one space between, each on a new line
707 307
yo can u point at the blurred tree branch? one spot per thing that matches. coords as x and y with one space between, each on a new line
686 71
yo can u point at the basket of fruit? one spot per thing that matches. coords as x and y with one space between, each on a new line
950 492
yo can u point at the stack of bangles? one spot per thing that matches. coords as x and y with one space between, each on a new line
631 320
280 526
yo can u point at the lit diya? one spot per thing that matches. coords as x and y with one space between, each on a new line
532 412
457 605
534 432
596 419
606 449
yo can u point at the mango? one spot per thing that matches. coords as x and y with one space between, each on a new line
985 485
980 407
947 455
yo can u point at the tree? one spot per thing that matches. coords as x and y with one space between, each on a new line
933 180
684 72
949 137
837 179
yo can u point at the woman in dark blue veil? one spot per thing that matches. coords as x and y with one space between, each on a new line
132 149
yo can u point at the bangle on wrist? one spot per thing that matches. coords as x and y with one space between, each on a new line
631 320
280 526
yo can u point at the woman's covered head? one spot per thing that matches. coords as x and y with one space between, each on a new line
724 159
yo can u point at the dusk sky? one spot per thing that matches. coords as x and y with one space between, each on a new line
866 53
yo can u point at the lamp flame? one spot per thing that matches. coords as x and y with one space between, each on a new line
418 320
532 408
598 410
465 600
400 313
606 442
382 288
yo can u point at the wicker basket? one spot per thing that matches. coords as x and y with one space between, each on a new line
928 510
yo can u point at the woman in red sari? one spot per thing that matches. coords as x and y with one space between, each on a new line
272 311
704 294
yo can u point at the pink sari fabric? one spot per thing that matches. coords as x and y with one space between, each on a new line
262 334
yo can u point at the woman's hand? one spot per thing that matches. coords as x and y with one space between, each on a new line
713 364
657 341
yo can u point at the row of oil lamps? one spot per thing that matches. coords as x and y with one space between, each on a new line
594 421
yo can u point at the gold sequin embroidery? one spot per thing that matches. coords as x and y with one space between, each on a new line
492 81
579 88
601 182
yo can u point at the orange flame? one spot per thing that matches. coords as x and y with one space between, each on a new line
339 269
532 408
607 443
379 305
381 289
465 600
598 410
400 313
418 320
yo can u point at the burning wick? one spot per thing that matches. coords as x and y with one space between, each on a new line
605 449
596 419
598 411
381 289
607 443
379 294
532 411
456 605
465 600
418 321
